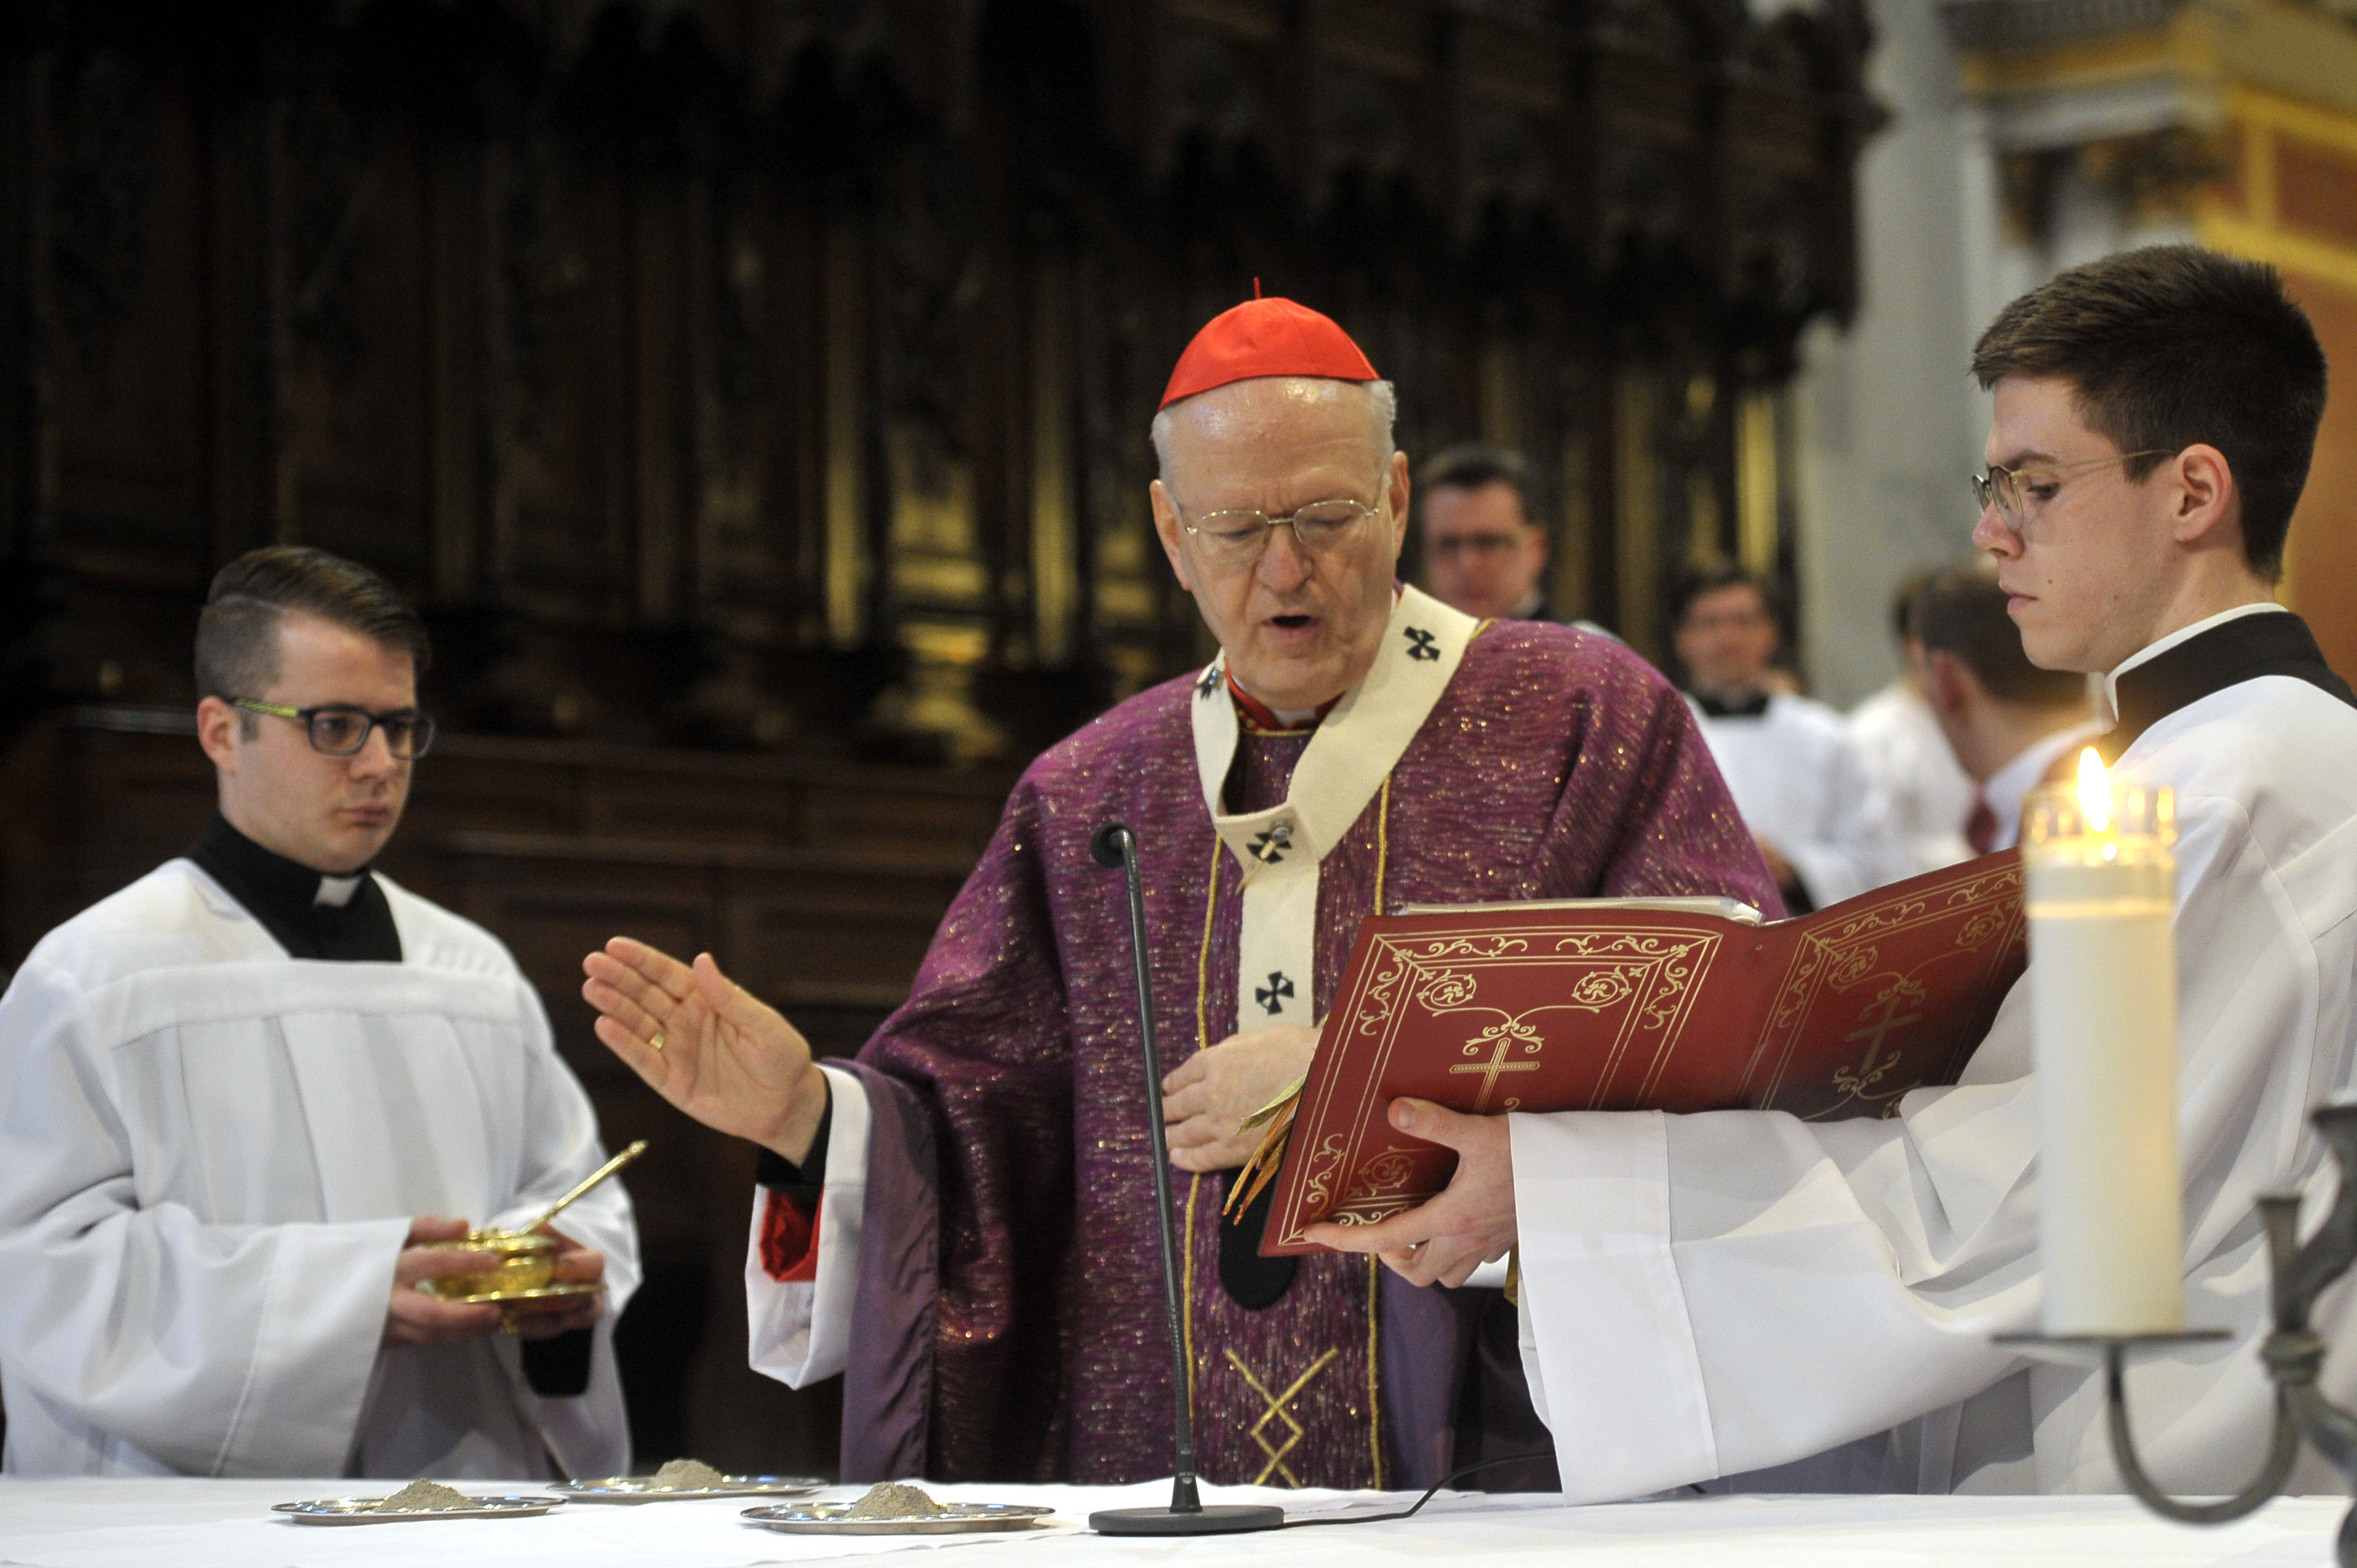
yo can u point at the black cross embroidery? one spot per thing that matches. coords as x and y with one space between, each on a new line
1207 685
1270 847
1420 644
1273 995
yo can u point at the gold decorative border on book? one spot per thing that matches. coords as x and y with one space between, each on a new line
1651 970
1991 923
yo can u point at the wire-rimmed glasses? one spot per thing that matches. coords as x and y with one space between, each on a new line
2001 487
338 729
1239 538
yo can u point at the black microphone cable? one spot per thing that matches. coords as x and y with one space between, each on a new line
1431 1492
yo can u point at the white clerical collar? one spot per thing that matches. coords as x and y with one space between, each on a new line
2111 683
337 891
2008 787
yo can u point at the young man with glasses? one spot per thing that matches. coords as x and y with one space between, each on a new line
961 1221
1485 550
244 1094
1710 1295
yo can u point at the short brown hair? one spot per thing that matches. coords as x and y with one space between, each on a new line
1962 612
2171 345
1473 468
1695 582
237 634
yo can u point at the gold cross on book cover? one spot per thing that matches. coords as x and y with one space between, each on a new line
1674 1004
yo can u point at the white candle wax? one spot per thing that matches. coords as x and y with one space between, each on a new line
2103 977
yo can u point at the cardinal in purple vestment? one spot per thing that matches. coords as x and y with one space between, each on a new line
961 1221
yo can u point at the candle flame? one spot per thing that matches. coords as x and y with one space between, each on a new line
2094 792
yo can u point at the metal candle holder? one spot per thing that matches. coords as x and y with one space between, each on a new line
2293 1352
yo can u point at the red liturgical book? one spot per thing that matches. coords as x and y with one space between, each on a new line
1605 1004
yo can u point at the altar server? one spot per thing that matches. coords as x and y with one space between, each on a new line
1819 816
1707 1296
238 1095
1908 755
962 1219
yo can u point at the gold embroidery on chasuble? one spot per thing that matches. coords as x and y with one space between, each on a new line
1286 1396
1289 1394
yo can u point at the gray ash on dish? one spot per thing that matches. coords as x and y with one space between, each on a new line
895 1499
422 1496
686 1475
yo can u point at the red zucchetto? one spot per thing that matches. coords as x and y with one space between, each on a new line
1265 338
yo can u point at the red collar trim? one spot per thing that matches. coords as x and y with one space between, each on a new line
1260 716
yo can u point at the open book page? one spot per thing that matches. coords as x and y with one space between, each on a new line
1734 909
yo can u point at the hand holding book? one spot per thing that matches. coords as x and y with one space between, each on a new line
1469 1224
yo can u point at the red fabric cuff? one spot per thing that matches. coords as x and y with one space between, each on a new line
790 1238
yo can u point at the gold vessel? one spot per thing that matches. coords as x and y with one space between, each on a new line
523 1279
526 1261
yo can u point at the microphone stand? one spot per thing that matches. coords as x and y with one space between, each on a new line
1113 844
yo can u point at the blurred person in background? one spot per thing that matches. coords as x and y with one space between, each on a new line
1797 776
1907 753
1485 550
2013 726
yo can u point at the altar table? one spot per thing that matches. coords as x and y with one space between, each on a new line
227 1524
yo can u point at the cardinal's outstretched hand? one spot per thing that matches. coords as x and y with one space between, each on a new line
707 1044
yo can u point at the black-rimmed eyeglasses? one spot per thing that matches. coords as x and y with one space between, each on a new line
338 729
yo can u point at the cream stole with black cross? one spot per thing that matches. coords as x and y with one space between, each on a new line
1341 771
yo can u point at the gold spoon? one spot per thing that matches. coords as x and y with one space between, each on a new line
600 1173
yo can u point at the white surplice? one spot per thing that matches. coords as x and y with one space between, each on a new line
1712 1295
210 1154
1802 784
1927 790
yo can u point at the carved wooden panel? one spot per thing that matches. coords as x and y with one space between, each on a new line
561 336
351 270
127 330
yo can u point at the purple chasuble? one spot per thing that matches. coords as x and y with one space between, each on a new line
1009 1321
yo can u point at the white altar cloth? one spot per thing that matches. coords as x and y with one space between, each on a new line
138 1523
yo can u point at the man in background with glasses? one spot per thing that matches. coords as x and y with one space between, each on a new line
1485 550
244 1094
961 1221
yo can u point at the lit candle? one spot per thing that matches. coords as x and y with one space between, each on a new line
2103 990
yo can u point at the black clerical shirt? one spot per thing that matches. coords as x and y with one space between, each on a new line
299 906
2272 642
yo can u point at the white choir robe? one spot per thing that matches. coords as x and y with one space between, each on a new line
1712 1295
1929 794
1802 784
210 1155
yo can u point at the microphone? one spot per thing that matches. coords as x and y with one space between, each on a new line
1113 844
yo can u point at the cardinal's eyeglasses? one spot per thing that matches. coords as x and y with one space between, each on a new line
1241 538
338 729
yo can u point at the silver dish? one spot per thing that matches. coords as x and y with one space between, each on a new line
643 1489
957 1518
364 1510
